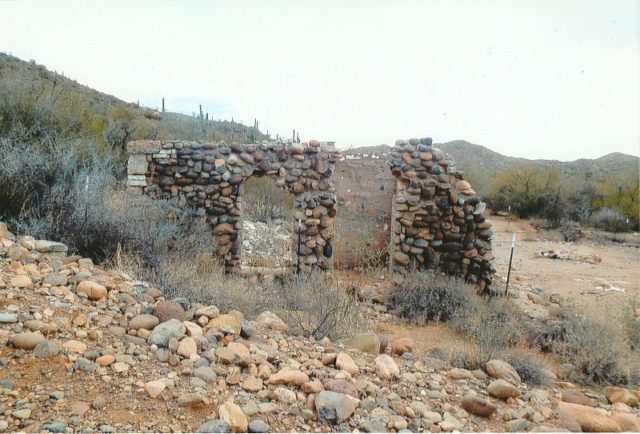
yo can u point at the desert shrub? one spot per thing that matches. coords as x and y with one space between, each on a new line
632 326
609 219
425 296
314 305
264 201
570 230
529 365
594 349
493 324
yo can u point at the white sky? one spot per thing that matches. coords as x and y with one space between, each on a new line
538 79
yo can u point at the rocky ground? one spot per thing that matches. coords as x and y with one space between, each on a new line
88 349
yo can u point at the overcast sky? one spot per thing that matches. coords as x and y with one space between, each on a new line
537 79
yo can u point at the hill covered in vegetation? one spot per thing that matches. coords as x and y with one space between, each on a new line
36 102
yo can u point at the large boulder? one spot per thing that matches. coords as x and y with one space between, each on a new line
590 419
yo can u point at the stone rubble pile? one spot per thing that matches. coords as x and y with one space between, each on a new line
210 176
437 218
267 245
85 349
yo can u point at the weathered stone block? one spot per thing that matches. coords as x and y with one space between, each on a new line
137 165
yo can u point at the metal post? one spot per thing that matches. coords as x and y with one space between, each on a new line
298 246
513 246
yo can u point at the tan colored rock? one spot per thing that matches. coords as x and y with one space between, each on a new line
270 320
619 394
576 396
74 346
502 370
154 388
502 389
233 415
4 231
238 349
460 374
402 345
477 405
252 384
105 360
27 340
227 324
94 290
291 377
193 329
187 347
344 362
628 422
21 281
385 367
589 419
314 386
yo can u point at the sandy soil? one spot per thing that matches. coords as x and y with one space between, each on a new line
600 278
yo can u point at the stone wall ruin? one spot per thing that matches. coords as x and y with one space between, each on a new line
210 177
437 218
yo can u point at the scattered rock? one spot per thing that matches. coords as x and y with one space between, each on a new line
619 394
291 377
94 290
165 331
155 388
167 310
479 406
270 320
385 367
46 349
227 324
27 340
258 426
346 363
589 419
335 407
233 415
502 370
144 321
502 389
214 426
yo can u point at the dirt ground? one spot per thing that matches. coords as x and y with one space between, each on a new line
601 278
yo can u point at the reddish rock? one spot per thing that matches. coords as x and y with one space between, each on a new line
479 406
167 309
402 345
341 386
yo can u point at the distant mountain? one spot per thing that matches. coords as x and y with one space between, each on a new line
475 159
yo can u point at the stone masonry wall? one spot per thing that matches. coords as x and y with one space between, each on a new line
437 219
210 176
